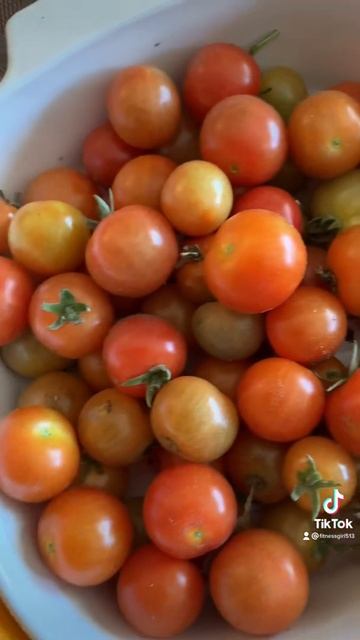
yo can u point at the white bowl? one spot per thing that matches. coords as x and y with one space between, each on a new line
62 55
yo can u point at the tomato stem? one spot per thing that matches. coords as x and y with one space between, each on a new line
189 253
68 310
154 379
310 482
322 230
328 278
263 41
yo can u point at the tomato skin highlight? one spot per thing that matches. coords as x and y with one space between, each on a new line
16 289
158 595
256 260
342 414
259 582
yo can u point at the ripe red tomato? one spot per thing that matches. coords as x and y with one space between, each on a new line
141 181
259 582
132 252
104 153
324 134
39 454
49 237
189 510
84 536
215 72
246 138
16 289
7 212
137 346
308 327
65 185
342 414
351 88
159 596
190 276
280 400
255 262
343 258
70 314
271 199
144 106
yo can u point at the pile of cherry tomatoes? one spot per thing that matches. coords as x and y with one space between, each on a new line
188 320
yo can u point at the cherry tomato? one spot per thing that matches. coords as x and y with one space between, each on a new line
65 185
185 146
259 582
9 628
95 475
144 106
280 400
141 180
330 371
190 275
246 138
114 429
159 596
255 262
92 369
104 153
132 252
343 258
316 264
70 314
351 88
215 72
310 326
253 463
189 510
143 345
271 199
223 375
84 536
227 335
332 462
339 199
168 303
16 289
283 88
194 419
197 198
57 390
292 522
342 414
49 237
39 455
324 134
7 212
30 359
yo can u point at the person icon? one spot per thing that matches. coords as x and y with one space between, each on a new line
306 536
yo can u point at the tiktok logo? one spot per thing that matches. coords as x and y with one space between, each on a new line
332 505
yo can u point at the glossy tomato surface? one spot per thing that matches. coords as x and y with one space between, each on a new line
16 289
342 414
271 199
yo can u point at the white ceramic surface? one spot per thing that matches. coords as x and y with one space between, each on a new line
62 55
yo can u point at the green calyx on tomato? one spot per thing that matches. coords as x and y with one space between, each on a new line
68 310
154 379
339 380
189 253
328 278
104 209
321 230
310 482
263 41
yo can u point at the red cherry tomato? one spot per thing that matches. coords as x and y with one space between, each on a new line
104 153
271 199
215 72
246 138
189 510
132 252
16 289
351 88
137 346
255 262
343 258
159 596
342 414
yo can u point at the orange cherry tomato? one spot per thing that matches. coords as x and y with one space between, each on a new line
223 375
39 455
280 400
144 106
324 134
343 258
16 289
255 261
104 153
65 185
92 369
342 414
84 536
141 180
7 212
190 275
197 198
159 596
259 582
168 303
9 628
